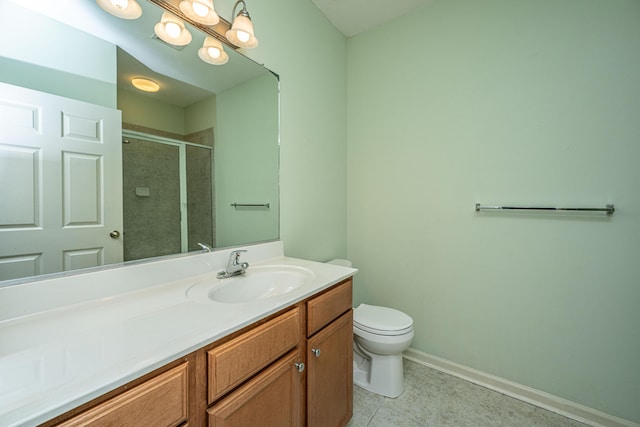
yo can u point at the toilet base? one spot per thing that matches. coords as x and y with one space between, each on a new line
380 374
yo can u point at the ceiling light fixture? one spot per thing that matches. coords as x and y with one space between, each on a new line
145 84
212 52
125 9
241 32
172 30
201 11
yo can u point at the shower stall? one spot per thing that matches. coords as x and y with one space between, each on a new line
167 194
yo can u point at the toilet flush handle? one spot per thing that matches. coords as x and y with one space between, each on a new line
316 352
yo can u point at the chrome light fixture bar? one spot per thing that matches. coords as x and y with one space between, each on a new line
201 14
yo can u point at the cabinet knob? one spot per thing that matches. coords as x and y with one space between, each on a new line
316 352
300 366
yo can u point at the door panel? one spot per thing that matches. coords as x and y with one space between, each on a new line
82 187
21 167
60 183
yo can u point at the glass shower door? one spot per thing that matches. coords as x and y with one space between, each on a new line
167 196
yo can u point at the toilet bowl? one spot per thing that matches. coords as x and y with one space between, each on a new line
380 335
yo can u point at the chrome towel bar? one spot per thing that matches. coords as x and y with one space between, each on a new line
251 205
609 209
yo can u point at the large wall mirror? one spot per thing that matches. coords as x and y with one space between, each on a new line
197 161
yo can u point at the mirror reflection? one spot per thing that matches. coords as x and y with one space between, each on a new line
196 162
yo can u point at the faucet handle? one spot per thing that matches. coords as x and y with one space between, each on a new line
234 256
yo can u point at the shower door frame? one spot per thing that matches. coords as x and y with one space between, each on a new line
182 165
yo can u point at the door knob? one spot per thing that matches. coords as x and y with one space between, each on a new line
300 366
114 234
316 352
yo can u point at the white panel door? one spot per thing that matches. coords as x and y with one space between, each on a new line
60 183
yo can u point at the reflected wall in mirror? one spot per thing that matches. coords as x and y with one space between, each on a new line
206 140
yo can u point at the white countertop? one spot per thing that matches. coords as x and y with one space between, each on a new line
58 352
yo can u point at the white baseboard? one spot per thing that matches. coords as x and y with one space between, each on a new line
535 397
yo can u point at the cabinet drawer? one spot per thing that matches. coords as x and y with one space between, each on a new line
322 309
235 361
160 401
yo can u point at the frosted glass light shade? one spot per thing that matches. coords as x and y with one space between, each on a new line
212 52
201 11
145 84
171 29
241 32
125 9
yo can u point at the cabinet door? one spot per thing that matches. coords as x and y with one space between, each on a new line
330 374
272 398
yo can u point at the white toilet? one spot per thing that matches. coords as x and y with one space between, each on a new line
380 335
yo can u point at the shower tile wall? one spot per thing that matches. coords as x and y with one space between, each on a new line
199 190
151 223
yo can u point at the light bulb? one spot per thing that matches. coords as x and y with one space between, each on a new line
173 30
213 52
120 4
243 36
200 9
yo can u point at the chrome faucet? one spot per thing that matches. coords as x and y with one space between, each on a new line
234 266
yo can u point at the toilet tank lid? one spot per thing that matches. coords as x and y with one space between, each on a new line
381 318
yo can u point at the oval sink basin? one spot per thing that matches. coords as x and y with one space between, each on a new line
258 283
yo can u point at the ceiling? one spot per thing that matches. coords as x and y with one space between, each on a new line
352 17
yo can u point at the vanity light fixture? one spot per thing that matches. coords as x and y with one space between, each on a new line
212 52
172 30
241 32
125 9
201 11
145 84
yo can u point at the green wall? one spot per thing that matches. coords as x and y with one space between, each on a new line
246 162
504 102
34 46
200 115
298 43
145 111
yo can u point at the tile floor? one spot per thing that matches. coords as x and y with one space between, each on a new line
432 398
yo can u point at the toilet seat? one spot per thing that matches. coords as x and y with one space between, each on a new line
381 320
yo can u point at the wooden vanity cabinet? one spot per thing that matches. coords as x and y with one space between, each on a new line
291 369
330 357
277 395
